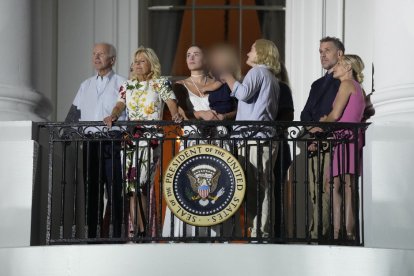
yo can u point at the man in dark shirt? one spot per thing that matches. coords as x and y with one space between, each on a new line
319 103
321 97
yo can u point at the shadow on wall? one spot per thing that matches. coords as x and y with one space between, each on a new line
369 107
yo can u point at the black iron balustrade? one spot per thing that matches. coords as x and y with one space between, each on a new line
69 181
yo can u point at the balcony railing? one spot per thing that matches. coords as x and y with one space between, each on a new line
111 185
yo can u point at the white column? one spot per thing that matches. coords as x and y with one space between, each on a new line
389 151
19 105
18 100
393 56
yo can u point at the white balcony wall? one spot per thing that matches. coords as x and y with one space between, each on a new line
18 160
205 259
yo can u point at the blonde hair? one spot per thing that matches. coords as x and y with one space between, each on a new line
267 54
153 60
357 65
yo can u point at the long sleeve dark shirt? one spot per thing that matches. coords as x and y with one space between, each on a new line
321 98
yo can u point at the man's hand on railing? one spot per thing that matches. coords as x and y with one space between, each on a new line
315 130
115 114
312 147
109 120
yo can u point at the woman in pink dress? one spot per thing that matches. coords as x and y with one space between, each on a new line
348 107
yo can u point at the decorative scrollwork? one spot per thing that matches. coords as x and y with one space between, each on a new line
205 130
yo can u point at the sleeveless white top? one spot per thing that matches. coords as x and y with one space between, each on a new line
199 103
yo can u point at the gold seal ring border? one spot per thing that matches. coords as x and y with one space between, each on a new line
226 212
224 167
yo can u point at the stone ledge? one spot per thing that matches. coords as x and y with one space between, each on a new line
205 259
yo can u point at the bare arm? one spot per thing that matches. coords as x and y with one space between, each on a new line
341 100
229 79
116 112
173 107
206 115
226 116
185 107
211 86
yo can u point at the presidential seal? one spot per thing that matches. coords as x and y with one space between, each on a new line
204 185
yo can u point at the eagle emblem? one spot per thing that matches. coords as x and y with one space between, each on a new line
204 180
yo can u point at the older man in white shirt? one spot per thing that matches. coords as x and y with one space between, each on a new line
94 101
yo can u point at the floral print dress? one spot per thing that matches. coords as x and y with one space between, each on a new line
144 101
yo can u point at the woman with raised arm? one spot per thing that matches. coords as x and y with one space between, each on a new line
258 99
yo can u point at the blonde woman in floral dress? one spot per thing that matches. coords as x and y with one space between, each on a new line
143 96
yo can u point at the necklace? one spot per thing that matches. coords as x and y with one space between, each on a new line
194 75
198 89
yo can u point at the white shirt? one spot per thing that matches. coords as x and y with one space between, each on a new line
97 96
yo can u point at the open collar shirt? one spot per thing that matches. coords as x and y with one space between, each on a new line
97 97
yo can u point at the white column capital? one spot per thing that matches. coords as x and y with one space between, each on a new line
18 100
22 103
394 103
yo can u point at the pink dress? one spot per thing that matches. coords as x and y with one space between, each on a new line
344 153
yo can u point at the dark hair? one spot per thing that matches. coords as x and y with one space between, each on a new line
198 46
283 76
336 41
